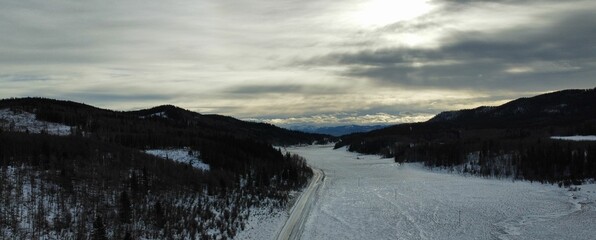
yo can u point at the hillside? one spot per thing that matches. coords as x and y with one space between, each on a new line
551 109
74 171
149 126
508 140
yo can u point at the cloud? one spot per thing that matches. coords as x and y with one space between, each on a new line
111 97
295 59
22 78
519 58
284 89
347 119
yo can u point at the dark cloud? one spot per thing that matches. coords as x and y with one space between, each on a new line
260 89
266 89
23 78
522 58
103 98
411 26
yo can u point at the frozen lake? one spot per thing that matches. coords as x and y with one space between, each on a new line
364 197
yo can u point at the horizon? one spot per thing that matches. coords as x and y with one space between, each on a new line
296 123
361 62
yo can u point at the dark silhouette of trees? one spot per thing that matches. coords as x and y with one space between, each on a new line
99 229
125 209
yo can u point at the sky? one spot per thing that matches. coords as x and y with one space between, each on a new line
293 62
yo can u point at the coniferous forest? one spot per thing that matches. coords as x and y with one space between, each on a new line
512 140
97 182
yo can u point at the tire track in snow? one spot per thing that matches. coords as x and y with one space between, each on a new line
421 233
512 227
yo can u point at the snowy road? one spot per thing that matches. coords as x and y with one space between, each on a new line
364 197
293 227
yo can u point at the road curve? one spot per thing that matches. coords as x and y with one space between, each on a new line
293 227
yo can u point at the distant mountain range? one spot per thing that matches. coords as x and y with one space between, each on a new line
336 130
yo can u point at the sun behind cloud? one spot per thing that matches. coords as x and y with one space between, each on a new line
377 13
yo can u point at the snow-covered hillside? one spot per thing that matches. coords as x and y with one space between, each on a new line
364 197
183 155
20 121
158 114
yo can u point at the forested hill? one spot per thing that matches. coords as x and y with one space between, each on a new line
74 171
508 140
155 127
561 108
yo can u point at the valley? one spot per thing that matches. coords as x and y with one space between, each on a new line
365 197
70 170
298 120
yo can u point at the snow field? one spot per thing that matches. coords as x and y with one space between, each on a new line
158 114
364 197
182 155
263 223
24 121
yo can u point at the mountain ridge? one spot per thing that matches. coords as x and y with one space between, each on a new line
559 104
82 115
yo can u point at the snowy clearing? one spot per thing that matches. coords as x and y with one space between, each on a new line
158 114
364 197
263 223
575 138
20 121
183 155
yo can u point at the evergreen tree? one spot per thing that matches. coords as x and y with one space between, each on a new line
127 236
158 215
125 210
99 229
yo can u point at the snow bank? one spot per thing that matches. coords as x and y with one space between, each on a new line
20 121
575 138
183 155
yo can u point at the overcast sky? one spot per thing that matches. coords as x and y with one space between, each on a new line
296 61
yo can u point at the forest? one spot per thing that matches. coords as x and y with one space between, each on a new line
97 182
534 159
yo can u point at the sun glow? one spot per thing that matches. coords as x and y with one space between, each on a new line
377 13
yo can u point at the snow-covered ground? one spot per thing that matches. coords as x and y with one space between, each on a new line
158 114
24 121
364 197
263 223
575 138
183 155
